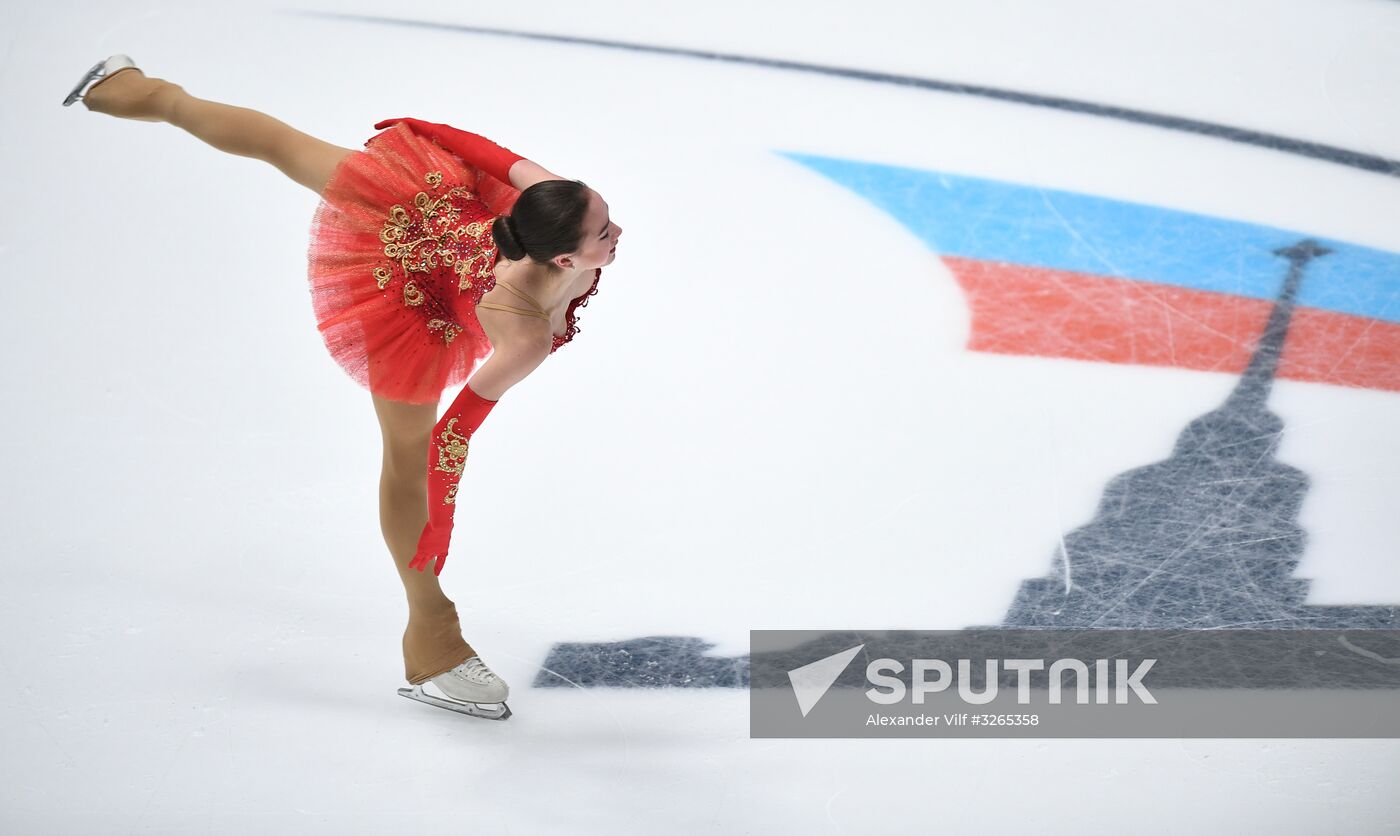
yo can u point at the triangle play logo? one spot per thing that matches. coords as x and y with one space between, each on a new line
811 682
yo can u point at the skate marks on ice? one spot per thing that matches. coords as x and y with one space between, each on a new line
1275 142
649 662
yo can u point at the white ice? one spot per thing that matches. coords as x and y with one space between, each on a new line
200 624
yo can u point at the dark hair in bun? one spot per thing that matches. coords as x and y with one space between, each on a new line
546 221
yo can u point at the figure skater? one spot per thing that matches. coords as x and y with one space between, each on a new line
424 247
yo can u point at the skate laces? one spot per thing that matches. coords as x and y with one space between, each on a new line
476 670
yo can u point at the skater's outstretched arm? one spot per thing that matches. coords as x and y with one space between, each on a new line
447 448
501 163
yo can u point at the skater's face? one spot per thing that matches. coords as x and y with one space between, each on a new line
600 234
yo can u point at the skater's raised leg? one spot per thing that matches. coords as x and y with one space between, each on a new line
130 94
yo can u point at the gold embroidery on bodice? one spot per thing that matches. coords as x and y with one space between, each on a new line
435 236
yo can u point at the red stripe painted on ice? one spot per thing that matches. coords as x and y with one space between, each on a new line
1054 313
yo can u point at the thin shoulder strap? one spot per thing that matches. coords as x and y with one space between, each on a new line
523 295
535 313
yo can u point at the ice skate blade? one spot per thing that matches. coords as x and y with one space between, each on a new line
469 708
100 71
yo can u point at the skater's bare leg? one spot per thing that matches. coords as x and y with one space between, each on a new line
433 641
130 94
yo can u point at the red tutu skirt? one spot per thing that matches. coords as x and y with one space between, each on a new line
400 254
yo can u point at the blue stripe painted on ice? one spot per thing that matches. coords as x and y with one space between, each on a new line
993 220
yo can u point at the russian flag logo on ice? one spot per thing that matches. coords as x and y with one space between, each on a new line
1061 274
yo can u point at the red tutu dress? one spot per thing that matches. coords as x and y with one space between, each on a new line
400 254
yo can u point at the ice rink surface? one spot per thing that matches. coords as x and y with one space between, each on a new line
905 290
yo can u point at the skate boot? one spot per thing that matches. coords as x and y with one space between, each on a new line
100 72
470 688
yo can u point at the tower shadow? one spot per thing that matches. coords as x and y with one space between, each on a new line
1207 538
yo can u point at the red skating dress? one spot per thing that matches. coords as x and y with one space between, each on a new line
400 254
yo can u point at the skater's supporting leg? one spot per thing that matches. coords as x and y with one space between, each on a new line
433 642
130 94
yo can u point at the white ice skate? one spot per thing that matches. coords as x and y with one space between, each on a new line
470 688
100 71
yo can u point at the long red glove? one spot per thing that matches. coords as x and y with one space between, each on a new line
475 150
447 455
